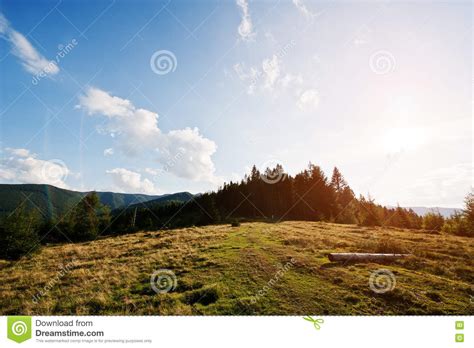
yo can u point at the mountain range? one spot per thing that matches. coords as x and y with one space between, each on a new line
52 201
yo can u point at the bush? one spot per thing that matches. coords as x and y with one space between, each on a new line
235 224
383 246
18 234
433 222
458 225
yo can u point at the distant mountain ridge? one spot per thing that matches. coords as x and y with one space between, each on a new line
174 197
53 201
446 212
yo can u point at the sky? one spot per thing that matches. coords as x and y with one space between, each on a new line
160 97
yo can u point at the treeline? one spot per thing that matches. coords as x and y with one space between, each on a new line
274 196
23 231
269 196
460 223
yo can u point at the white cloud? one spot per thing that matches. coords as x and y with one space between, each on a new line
152 171
136 132
31 59
18 152
251 76
22 166
303 9
290 80
270 37
245 29
131 182
108 152
309 100
269 77
271 70
100 102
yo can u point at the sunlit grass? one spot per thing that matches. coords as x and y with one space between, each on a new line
220 270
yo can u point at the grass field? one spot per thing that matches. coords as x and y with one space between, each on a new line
253 269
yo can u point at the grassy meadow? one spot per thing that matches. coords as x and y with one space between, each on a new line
252 269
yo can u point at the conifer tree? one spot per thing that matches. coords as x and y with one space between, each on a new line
18 233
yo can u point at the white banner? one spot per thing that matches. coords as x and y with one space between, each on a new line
314 331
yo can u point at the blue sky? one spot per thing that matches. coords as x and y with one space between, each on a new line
382 90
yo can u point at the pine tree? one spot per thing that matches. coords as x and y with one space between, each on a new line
87 218
337 181
469 210
344 211
18 234
368 212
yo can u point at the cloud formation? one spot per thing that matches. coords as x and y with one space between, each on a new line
245 29
303 9
22 166
184 152
308 100
109 152
271 69
269 77
131 182
30 58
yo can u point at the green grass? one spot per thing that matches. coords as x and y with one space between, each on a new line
251 269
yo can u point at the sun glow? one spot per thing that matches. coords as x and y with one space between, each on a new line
402 139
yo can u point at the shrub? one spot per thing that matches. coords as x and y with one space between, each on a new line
458 225
389 245
433 221
383 246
